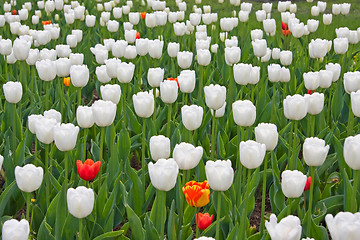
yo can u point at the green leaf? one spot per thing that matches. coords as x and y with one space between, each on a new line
6 195
109 235
137 230
158 211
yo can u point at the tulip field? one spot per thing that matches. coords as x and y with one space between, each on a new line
179 120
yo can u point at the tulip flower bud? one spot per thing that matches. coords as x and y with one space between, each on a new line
179 28
80 201
32 119
352 81
88 170
142 46
14 229
335 68
63 67
184 59
204 221
46 70
52 113
159 147
275 54
242 73
232 55
187 156
100 52
104 112
163 174
315 151
155 48
112 65
336 9
29 177
191 117
325 78
143 104
220 174
341 45
315 103
312 25
155 76
288 228
274 72
220 112
343 225
125 72
252 154
266 133
168 91
186 81
243 16
102 75
293 183
84 116
215 96
327 19
311 80
173 48
65 136
353 37
355 103
259 47
345 8
286 58
203 57
351 152
295 107
285 75
12 91
90 20
245 6
269 26
315 11
111 93
244 113
79 75
134 18
260 15
21 49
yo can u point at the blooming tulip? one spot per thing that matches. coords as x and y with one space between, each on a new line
88 170
295 107
344 225
84 116
184 59
104 112
215 96
266 133
12 91
191 117
159 147
288 228
187 156
111 93
46 70
197 194
186 81
44 129
252 154
220 174
244 113
351 152
168 91
65 136
80 201
315 151
292 183
163 174
204 221
29 177
79 75
15 230
143 104
125 72
315 103
155 76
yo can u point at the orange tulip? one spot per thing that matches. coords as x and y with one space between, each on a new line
67 81
137 35
205 220
143 15
46 22
173 79
197 194
285 33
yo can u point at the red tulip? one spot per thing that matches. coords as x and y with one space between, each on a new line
285 32
88 170
143 15
205 220
308 183
284 26
137 35
13 12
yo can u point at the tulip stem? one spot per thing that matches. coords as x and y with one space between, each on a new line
218 208
14 128
213 139
28 198
6 68
262 223
47 179
168 121
247 193
312 175
273 104
35 149
350 125
102 138
79 97
292 164
80 228
85 136
354 207
154 114
289 206
197 221
143 152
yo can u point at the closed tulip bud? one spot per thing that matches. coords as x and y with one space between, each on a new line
315 151
150 20
21 49
15 230
142 46
112 65
88 170
52 113
281 6
130 52
230 42
84 116
63 51
274 72
32 119
312 25
29 177
345 8
353 37
155 48
260 15
159 147
226 24
35 19
286 58
318 48
80 201
342 32
352 81
259 47
168 91
203 57
266 58
245 6
336 70
179 28
269 26
101 74
191 117
351 152
214 48
195 18
275 53
252 154
336 9
355 103
311 80
100 52
243 16
65 136
288 228
256 34
111 93
215 96
71 40
267 7
325 78
315 11
134 18
163 174
295 107
341 45
315 103
293 183
113 26
204 221
184 59
244 113
298 30
12 91
79 75
155 76
266 133
220 112
125 72
285 75
327 19
130 35
143 104
187 156
90 20
63 67
118 49
173 48
44 129
242 73
220 174
345 225
104 112
232 55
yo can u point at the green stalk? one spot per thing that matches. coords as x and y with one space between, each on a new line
47 100
273 105
102 138
292 164
218 208
213 139
354 207
289 208
201 84
350 125
246 204
47 179
14 127
79 97
28 198
80 229
6 69
197 221
312 175
66 159
168 121
143 166
312 125
35 151
262 223
154 114
85 136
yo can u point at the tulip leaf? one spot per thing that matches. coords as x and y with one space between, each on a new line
233 233
136 194
45 231
135 223
125 144
189 214
61 215
151 232
109 235
316 232
158 211
6 195
134 124
172 222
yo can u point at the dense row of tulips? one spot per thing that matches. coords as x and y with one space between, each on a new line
114 116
